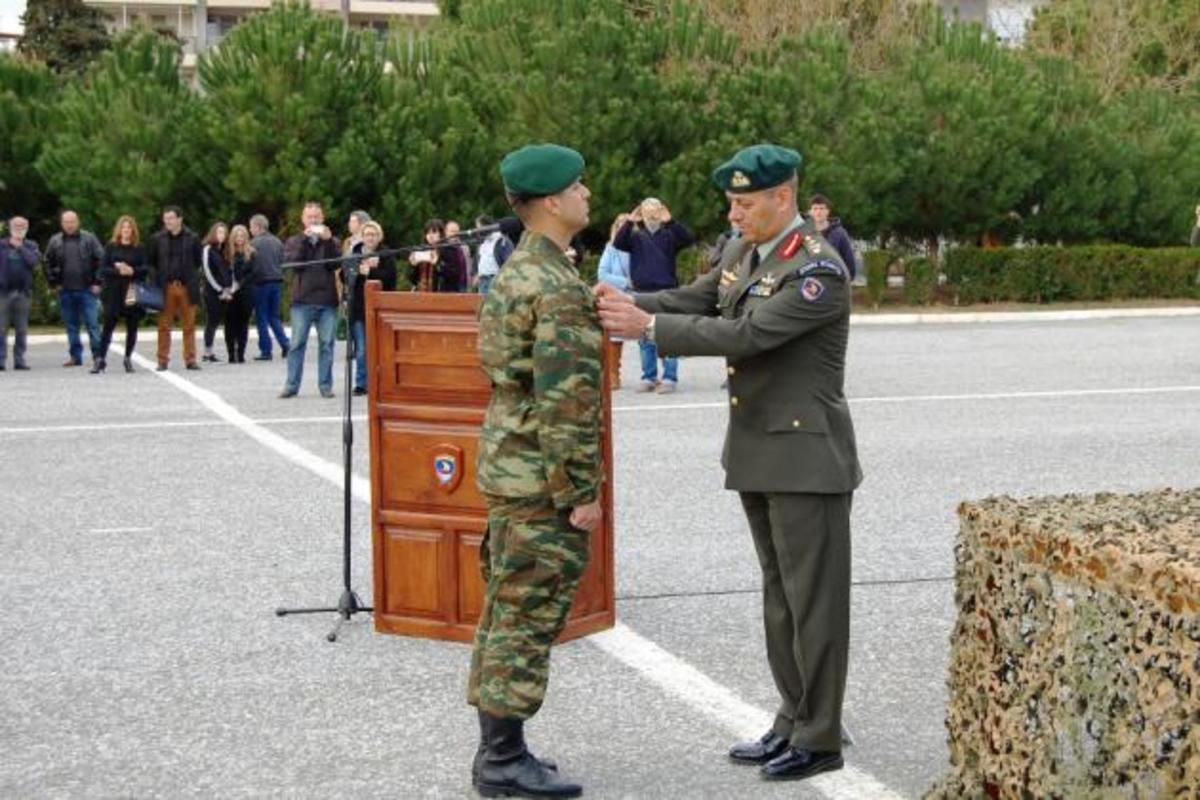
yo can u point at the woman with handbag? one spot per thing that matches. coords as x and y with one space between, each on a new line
218 285
124 265
239 254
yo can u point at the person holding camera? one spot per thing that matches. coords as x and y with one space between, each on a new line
314 298
653 239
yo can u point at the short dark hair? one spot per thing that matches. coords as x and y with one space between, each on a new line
176 210
435 224
820 200
483 220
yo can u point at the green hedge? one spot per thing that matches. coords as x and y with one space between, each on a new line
1056 274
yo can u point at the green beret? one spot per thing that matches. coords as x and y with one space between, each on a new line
540 169
756 168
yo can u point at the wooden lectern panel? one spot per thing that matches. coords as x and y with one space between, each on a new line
426 404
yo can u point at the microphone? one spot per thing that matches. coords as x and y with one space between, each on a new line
480 232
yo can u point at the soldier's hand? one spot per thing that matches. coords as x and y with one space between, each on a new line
587 518
606 291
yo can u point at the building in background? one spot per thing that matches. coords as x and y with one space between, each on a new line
201 24
1008 19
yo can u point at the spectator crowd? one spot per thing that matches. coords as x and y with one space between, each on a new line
237 274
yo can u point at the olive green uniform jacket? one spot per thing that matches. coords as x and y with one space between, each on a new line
782 327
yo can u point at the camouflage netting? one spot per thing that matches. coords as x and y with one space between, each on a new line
1075 669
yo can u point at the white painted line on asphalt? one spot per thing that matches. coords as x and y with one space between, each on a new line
1062 315
741 719
166 424
120 530
938 398
360 487
946 398
673 674
948 317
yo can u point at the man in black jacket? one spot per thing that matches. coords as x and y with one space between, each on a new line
174 259
73 258
314 299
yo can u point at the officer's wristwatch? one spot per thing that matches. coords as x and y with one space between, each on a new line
648 333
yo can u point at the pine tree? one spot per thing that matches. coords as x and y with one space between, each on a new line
65 34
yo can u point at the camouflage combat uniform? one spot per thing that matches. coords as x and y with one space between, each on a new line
540 342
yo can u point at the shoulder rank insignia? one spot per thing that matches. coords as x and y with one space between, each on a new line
738 180
812 245
791 246
728 277
811 289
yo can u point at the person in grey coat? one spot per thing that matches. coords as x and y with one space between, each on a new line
268 287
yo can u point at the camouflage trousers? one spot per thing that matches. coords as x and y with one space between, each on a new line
532 559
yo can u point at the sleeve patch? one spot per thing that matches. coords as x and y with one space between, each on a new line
822 266
811 289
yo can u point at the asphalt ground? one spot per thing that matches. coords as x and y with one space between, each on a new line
147 540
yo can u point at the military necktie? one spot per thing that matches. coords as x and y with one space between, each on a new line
754 259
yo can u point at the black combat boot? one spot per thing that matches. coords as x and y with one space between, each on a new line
548 763
508 769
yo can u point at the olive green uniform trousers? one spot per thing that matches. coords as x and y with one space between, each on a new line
803 545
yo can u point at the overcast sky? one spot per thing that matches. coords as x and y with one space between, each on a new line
10 15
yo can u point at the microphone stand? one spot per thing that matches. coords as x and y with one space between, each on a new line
349 602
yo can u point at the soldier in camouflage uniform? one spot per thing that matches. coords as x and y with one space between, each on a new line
539 464
777 306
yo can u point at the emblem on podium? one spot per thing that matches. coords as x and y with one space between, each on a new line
447 466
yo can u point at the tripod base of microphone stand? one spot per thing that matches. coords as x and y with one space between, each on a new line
348 605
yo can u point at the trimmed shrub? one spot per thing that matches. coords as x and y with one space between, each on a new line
920 281
876 264
1057 274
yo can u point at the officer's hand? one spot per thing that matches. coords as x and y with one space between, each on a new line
587 518
606 291
623 319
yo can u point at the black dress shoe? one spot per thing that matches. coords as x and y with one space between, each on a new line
770 745
796 763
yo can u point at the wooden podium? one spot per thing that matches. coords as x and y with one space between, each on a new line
426 404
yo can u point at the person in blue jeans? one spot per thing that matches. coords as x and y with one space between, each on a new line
268 287
653 240
614 270
314 299
73 259
371 268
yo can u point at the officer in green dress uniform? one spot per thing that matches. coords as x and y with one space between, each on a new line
539 464
777 306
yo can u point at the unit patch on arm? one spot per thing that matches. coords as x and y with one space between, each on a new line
811 289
